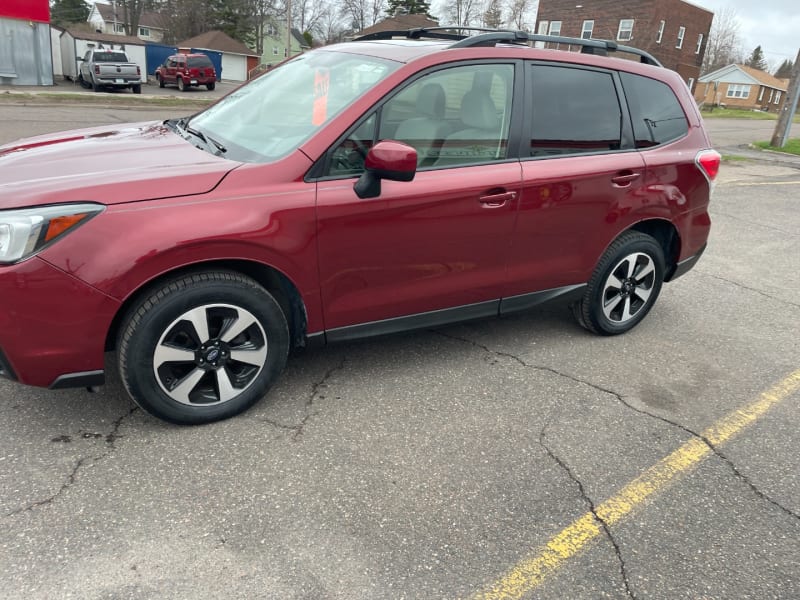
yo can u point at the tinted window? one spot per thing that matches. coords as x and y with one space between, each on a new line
199 61
110 57
574 111
657 115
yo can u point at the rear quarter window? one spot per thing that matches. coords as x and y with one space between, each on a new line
657 114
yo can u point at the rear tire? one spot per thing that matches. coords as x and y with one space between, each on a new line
624 285
181 85
203 347
95 87
211 86
137 89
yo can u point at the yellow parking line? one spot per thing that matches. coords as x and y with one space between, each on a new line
532 571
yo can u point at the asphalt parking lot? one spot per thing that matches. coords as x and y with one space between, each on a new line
518 457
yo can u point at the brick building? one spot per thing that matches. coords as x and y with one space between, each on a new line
674 31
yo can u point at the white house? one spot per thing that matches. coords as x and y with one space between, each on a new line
111 18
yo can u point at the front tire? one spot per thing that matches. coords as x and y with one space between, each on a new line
624 285
160 81
203 348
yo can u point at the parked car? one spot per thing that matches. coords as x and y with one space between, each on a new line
187 70
359 189
109 69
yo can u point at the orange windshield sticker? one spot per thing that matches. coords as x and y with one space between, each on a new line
322 80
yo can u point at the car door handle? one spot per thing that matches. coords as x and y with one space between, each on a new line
625 178
497 200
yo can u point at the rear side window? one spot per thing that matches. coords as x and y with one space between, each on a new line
657 114
199 61
574 111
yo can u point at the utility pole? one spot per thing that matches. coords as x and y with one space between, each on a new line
288 28
789 107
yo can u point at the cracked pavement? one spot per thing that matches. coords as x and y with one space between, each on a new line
425 465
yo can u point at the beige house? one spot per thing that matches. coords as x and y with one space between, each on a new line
740 86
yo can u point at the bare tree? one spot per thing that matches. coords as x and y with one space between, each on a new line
724 44
463 12
362 13
519 14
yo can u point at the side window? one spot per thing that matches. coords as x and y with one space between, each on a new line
657 114
454 116
347 159
574 111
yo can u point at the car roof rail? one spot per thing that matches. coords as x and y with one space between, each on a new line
491 37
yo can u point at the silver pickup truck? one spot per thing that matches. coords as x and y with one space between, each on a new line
109 68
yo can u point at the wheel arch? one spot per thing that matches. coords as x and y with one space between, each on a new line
276 283
667 236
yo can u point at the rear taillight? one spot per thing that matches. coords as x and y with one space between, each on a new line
138 70
97 69
708 161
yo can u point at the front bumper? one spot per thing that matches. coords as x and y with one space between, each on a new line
53 327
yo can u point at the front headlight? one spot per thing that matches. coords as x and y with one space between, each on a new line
25 232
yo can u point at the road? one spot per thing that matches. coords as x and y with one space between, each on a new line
434 464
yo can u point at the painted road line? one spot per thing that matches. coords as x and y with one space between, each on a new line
740 183
531 572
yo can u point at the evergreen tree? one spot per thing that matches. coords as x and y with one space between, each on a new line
493 17
64 12
756 60
785 70
408 7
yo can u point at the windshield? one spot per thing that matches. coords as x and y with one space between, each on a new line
274 114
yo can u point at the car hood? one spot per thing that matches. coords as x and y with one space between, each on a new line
109 165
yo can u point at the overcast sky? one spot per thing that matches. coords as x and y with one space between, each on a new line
772 24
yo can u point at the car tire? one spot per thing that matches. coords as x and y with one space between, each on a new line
211 86
624 286
95 87
82 81
202 347
181 85
137 89
160 81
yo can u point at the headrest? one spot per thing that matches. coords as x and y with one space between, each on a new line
431 101
478 111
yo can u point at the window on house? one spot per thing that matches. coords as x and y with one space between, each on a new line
778 98
542 29
761 95
660 33
771 92
555 28
690 83
588 29
699 44
119 28
144 31
681 34
275 51
625 31
736 90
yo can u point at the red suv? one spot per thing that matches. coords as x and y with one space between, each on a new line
356 190
187 70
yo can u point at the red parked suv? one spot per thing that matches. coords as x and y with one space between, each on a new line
359 189
187 70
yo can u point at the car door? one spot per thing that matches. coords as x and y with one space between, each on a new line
583 180
433 249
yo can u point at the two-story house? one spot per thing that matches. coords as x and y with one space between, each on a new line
674 31
111 18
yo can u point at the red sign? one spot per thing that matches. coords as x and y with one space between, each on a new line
30 10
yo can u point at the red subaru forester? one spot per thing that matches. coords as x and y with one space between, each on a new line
359 189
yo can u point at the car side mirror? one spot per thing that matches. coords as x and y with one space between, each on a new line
387 159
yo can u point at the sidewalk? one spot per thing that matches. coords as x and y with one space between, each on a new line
150 91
